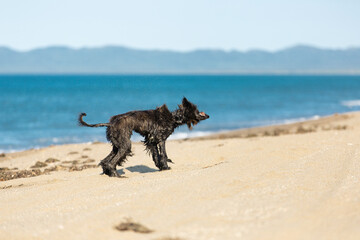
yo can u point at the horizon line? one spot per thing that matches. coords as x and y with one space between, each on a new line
309 74
181 51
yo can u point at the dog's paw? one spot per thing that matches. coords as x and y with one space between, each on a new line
110 172
165 168
113 174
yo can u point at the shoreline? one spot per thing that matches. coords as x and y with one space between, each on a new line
325 123
303 126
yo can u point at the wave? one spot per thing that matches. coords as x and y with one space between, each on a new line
265 122
12 150
192 134
178 135
351 103
302 119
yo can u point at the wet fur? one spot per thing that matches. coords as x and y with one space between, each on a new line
154 125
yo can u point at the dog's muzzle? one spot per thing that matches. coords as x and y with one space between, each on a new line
204 115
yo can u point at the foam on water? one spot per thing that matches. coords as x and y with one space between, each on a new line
302 119
192 134
177 135
351 103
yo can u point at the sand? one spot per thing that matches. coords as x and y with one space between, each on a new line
263 183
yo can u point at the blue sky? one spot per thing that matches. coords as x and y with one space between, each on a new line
180 25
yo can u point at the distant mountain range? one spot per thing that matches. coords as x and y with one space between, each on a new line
122 60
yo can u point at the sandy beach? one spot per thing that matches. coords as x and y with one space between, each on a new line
295 181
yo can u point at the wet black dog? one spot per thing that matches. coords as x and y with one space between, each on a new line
155 125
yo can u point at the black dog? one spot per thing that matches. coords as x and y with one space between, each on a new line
155 125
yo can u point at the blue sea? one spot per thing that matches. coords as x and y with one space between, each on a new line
37 111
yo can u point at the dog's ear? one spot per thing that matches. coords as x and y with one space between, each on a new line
163 108
186 103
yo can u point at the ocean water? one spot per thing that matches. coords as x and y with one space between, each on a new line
37 111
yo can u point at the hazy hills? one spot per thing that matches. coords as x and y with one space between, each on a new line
121 60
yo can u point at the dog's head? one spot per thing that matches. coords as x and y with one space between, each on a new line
192 116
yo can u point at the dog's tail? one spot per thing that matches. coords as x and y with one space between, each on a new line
83 123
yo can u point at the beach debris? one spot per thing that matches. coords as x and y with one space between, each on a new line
305 129
2 155
72 162
84 156
251 135
87 149
80 168
280 131
51 160
340 127
55 168
8 175
39 164
89 161
266 133
129 225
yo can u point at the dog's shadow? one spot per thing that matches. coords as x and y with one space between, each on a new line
137 168
141 169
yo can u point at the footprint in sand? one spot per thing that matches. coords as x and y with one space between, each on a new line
89 161
52 160
129 225
39 164
72 153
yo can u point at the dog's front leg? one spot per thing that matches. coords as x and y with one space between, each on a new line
162 150
154 153
163 156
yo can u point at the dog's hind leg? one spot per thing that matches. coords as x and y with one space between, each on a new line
109 167
108 158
